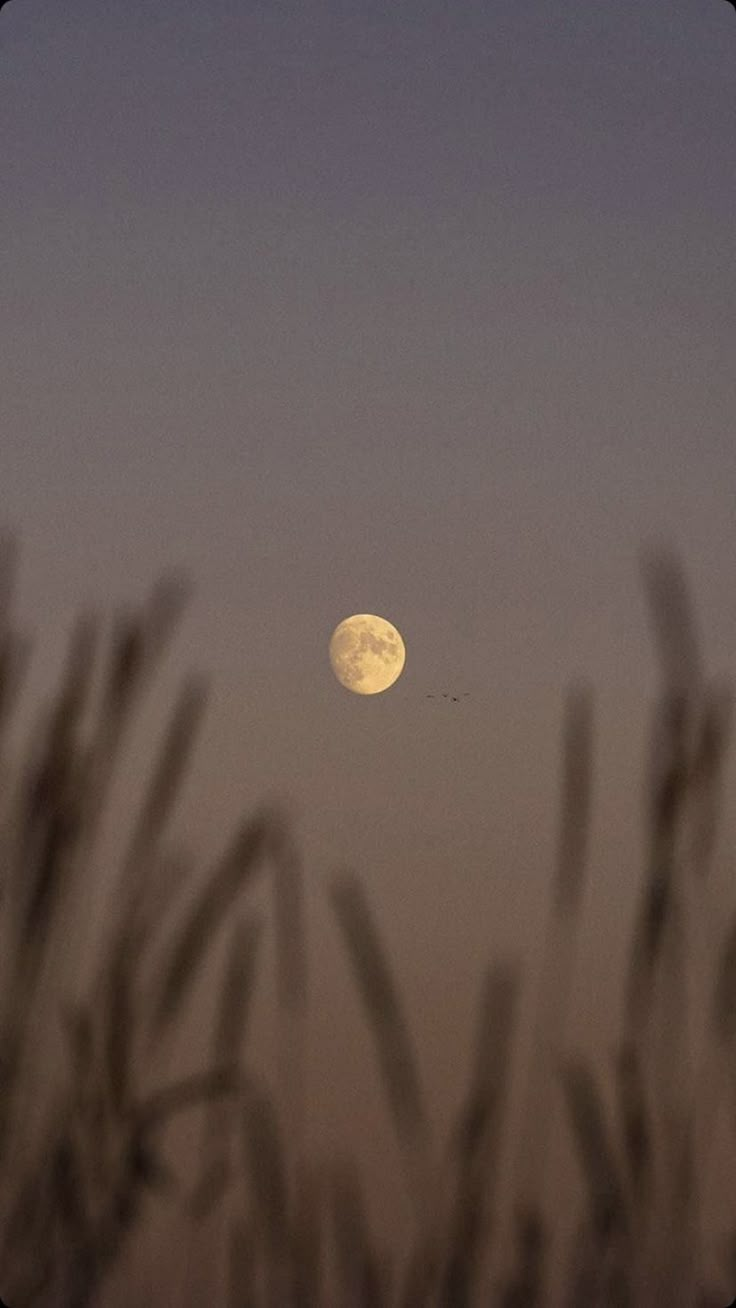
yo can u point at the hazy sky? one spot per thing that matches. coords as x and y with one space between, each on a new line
427 310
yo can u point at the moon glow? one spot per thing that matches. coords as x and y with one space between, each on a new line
367 653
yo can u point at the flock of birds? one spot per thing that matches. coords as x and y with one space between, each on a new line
455 699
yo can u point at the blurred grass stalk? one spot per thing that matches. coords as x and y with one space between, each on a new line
78 1170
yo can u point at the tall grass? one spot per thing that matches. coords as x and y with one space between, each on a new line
79 1167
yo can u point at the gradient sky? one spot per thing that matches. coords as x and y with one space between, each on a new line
427 310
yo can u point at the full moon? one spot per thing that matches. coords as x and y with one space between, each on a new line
367 653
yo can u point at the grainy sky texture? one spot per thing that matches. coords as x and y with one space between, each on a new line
426 310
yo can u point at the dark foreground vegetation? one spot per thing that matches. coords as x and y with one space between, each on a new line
81 1167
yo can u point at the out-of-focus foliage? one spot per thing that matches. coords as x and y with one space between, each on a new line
75 1186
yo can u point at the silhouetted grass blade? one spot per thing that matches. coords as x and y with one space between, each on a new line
559 952
383 1009
477 1140
242 1254
266 1170
709 758
635 1120
162 792
723 1008
235 870
576 806
595 1150
307 1236
359 1274
669 777
230 1035
672 616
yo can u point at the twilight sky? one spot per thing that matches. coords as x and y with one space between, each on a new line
427 310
